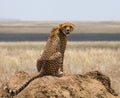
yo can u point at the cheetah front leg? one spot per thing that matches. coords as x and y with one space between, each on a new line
40 64
57 59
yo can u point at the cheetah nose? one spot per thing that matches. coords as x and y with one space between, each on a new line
68 30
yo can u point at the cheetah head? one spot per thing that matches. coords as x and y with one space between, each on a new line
66 28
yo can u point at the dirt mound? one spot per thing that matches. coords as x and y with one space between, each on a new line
90 85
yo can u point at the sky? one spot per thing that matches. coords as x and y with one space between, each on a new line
60 10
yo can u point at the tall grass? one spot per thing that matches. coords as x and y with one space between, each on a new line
80 57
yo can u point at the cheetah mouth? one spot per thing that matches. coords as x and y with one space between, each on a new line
67 33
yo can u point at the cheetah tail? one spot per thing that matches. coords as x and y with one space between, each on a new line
16 92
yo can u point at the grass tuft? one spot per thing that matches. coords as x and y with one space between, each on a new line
80 57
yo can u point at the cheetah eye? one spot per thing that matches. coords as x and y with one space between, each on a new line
65 26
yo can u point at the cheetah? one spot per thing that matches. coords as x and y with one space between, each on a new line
51 60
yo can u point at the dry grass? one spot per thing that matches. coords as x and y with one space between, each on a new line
45 27
80 57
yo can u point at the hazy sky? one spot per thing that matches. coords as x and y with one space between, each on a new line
60 9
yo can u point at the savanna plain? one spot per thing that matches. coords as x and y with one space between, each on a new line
80 57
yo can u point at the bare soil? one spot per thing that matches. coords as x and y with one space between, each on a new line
90 85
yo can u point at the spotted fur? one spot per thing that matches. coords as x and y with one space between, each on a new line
51 60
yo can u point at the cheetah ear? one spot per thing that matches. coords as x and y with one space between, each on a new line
60 25
72 25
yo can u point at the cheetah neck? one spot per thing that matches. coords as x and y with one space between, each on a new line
63 41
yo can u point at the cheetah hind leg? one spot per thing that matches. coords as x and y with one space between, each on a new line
57 57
